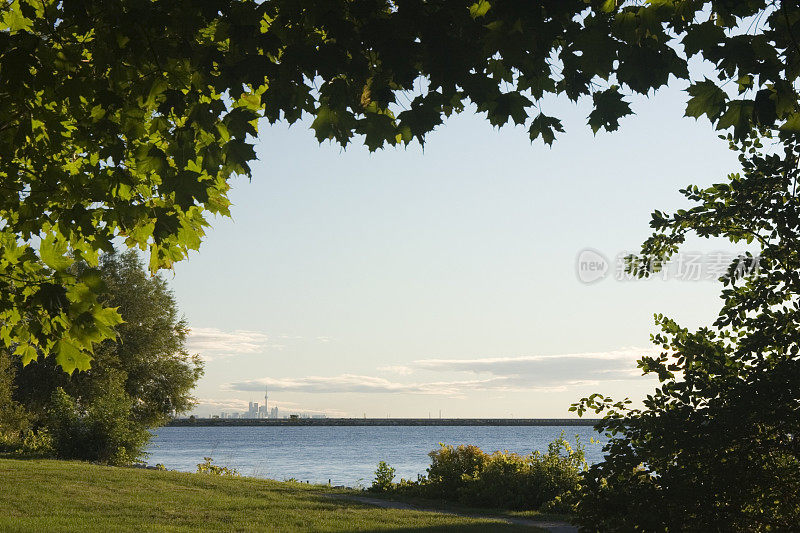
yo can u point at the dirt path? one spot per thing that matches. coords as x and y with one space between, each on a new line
549 525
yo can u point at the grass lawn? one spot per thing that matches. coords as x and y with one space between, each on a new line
46 495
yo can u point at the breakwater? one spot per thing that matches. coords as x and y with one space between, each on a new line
283 422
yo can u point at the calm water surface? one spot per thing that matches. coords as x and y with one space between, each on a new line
345 455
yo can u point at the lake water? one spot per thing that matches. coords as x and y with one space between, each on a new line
345 455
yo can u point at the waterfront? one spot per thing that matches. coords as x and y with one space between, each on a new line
347 455
309 421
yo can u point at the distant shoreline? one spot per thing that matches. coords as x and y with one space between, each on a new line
236 422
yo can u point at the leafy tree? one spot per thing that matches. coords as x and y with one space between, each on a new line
136 382
716 447
125 119
160 373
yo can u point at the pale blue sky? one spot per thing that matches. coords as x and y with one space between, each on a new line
401 282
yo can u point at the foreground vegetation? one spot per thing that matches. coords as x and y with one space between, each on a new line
501 480
74 496
136 383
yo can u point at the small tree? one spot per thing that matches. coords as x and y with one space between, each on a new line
384 477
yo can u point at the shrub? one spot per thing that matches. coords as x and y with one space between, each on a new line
28 443
450 466
384 476
468 475
14 418
207 467
101 431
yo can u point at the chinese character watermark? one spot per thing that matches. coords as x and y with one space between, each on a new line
592 266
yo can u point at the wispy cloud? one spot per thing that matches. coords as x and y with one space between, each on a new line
501 374
357 383
213 343
225 404
397 369
619 364
353 383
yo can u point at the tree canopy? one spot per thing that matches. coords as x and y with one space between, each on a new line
122 121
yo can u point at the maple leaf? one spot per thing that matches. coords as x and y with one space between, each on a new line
609 107
706 99
545 127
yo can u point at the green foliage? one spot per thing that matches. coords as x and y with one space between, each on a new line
609 108
136 383
715 446
207 467
384 477
501 480
101 431
35 443
14 419
17 437
508 480
125 120
113 127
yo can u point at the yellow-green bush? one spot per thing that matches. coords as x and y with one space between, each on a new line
208 467
468 475
384 476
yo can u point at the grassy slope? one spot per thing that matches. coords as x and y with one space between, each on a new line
44 495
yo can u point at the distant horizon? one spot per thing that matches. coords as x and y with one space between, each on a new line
300 421
289 417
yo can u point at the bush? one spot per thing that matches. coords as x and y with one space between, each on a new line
14 418
450 467
207 467
28 444
101 431
468 475
384 476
